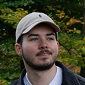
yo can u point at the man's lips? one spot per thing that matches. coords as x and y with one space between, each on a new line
44 53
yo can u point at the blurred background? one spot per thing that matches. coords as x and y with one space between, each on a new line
69 15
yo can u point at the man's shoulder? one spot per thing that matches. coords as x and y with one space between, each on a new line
20 80
72 77
81 79
14 83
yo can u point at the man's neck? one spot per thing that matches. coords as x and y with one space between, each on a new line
41 77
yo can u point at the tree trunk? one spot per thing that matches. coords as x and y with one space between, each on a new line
84 19
82 73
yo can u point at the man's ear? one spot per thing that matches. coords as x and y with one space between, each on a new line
18 49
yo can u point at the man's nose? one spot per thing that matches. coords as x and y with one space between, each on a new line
43 44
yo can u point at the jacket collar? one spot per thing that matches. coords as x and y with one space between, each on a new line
20 80
69 78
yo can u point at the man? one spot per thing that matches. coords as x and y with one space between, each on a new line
36 42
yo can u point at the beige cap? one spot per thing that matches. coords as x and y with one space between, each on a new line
31 20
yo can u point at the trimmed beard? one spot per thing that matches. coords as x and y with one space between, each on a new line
38 67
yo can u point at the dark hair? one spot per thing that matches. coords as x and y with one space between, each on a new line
20 40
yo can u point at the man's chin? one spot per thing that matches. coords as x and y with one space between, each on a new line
42 66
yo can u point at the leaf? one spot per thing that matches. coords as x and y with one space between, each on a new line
83 50
67 16
62 14
74 29
84 38
58 11
78 31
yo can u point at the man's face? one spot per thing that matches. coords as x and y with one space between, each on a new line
40 48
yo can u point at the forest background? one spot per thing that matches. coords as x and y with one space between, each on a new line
67 14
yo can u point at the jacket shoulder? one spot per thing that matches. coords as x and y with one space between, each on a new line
20 80
81 79
14 83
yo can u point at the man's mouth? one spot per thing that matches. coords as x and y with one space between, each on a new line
44 53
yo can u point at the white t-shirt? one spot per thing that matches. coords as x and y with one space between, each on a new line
57 80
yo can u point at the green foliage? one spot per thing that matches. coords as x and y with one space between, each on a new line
12 17
15 3
73 48
8 75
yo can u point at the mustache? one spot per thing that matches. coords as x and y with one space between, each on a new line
43 51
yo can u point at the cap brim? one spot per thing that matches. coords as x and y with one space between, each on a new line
57 29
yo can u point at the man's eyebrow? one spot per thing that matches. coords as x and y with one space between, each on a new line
38 34
50 34
33 35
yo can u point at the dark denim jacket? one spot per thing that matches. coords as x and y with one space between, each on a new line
69 78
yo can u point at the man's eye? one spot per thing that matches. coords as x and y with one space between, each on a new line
50 39
33 39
